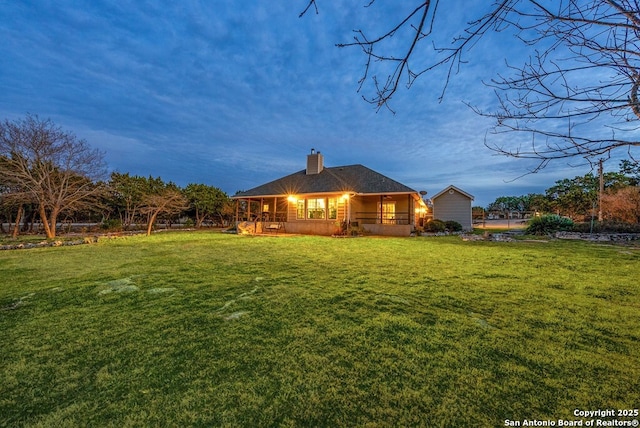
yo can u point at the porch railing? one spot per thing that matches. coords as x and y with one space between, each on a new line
374 218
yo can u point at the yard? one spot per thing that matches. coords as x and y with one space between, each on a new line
207 329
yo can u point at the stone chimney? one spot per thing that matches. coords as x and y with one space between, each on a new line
315 163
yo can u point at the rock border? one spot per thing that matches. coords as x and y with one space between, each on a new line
81 240
43 244
598 237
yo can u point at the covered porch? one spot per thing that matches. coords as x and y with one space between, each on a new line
332 214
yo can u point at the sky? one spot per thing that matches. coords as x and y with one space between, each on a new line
236 94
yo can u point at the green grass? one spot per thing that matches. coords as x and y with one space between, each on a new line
203 329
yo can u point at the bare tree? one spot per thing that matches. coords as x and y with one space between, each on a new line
390 63
583 73
48 166
577 96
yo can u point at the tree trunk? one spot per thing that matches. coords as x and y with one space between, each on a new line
48 222
16 227
199 219
152 219
29 228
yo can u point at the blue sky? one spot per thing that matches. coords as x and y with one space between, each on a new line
235 94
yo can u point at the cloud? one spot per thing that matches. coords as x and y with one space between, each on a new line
236 94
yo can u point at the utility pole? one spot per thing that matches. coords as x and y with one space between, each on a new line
601 190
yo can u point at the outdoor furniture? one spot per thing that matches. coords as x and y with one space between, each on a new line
273 227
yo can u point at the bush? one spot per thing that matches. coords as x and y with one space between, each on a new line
453 226
435 226
549 224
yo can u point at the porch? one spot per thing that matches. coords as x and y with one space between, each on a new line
325 214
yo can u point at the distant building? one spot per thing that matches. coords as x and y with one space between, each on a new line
453 203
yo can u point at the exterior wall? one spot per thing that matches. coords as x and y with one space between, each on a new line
453 206
362 210
388 229
316 227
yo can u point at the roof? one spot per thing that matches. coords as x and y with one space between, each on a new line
440 193
341 179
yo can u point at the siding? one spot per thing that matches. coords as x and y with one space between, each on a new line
454 206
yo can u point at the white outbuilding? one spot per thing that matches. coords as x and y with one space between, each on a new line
453 203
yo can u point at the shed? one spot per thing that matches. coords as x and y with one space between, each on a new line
453 203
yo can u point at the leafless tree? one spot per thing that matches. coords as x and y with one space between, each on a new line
48 166
576 96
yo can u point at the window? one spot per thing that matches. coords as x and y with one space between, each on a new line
388 212
332 203
300 209
316 209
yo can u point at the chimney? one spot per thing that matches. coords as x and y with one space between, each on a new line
314 163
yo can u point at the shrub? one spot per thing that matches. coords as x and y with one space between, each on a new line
549 224
452 226
435 226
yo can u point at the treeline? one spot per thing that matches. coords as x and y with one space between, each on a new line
580 199
48 175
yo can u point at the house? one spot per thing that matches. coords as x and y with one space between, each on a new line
329 200
453 203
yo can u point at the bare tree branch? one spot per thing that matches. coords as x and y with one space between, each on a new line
578 91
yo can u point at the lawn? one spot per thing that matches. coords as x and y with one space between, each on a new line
208 329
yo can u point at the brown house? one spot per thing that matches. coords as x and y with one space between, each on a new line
323 200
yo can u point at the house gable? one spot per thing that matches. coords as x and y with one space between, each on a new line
455 189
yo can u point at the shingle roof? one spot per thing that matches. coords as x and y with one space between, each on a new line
351 178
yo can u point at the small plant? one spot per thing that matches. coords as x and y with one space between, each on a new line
547 224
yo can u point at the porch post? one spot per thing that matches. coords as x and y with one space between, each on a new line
381 210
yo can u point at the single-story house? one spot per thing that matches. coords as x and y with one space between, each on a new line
328 200
453 203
